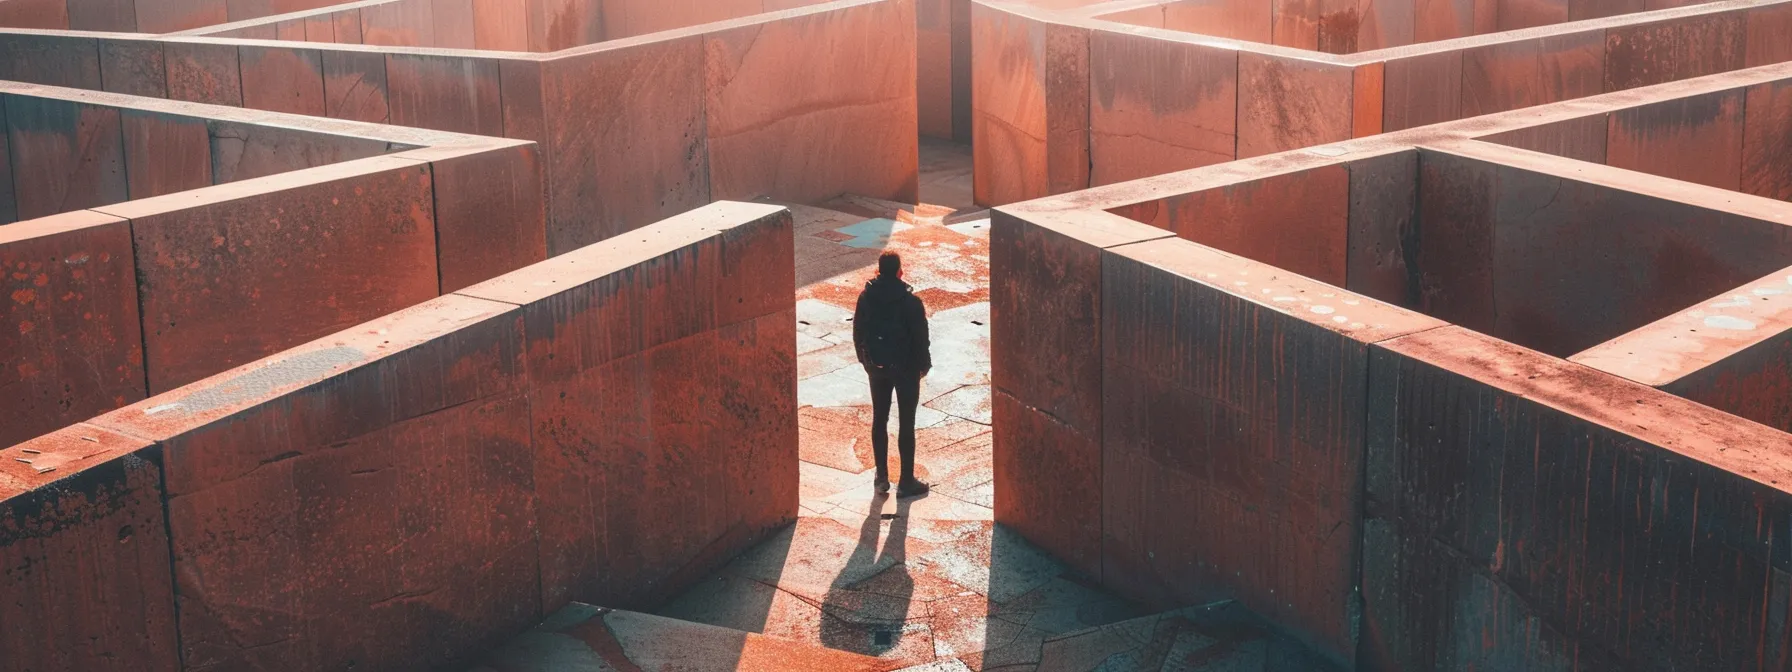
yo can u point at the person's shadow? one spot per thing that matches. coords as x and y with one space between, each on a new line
867 604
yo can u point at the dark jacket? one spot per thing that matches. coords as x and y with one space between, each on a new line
890 300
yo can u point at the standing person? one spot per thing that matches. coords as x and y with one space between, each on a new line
889 330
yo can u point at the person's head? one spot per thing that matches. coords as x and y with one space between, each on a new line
889 265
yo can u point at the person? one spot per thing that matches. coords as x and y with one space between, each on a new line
889 331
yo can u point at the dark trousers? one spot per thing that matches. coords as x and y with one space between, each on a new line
908 395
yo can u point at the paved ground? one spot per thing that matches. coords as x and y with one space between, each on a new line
912 582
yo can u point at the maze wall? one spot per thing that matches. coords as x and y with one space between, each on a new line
1428 400
1077 101
631 131
604 426
244 234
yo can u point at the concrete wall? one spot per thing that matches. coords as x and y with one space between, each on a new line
1030 106
1095 104
116 301
535 25
1732 139
66 155
1729 352
408 491
801 107
1732 352
1351 26
631 131
1550 254
1232 426
1559 260
1474 503
1528 513
84 541
142 16
943 68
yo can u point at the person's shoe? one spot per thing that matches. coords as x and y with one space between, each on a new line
912 489
881 483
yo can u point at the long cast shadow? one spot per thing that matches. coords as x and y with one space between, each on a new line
866 608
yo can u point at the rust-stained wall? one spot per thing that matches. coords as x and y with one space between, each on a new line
298 238
142 16
630 132
1351 26
532 26
1030 106
416 488
1529 513
1095 104
1232 416
1560 261
1729 352
1322 456
84 555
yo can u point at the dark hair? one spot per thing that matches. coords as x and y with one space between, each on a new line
889 264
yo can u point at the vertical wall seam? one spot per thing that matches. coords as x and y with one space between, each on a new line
435 216
173 574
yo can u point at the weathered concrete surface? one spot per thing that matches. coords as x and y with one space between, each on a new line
784 95
283 80
1351 26
252 268
1046 307
1654 550
1767 131
1296 221
1421 90
70 331
660 362
370 499
333 505
242 151
1597 523
628 18
42 14
1570 260
204 73
143 16
166 153
1030 106
355 86
943 68
1207 638
1286 103
662 80
1232 417
1138 127
531 26
1581 139
274 244
65 155
721 108
1666 51
489 211
447 93
1383 217
1729 352
1697 139
134 67
1511 75
84 555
